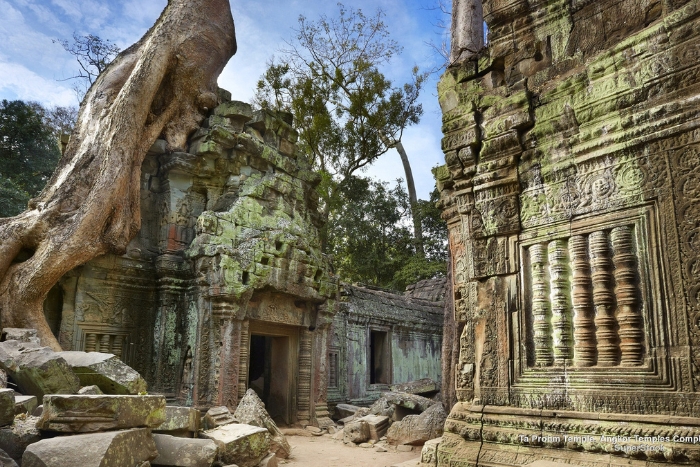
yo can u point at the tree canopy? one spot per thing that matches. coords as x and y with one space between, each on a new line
347 112
29 153
370 239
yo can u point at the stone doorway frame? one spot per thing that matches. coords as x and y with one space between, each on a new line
263 328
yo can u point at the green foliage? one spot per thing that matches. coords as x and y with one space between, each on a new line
347 112
371 240
28 154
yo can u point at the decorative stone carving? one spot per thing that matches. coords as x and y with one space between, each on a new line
585 311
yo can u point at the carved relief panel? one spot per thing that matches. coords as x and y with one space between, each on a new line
590 301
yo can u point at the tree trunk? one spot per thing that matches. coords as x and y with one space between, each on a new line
162 85
467 34
417 225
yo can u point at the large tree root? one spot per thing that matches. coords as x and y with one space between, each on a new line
162 85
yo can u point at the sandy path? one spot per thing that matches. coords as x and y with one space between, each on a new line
324 451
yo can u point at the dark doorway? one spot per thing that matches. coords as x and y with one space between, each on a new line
380 358
53 309
268 375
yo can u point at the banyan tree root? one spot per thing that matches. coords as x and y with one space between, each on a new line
164 86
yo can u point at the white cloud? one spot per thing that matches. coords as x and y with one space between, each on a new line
24 84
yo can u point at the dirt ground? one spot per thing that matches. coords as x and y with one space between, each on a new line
324 451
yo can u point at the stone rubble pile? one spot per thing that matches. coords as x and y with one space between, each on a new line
95 412
400 419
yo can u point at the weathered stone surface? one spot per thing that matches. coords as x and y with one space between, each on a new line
180 421
420 387
15 439
114 449
269 461
378 425
415 319
397 405
6 460
3 378
21 335
183 452
251 411
428 455
244 445
345 410
37 370
91 390
242 216
88 413
25 404
7 406
572 212
356 432
218 416
105 371
417 429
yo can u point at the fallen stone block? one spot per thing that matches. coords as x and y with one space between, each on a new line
91 390
25 404
251 411
216 417
37 370
15 439
404 448
180 421
378 425
6 460
356 432
419 387
114 449
269 461
183 452
87 413
417 429
7 406
345 410
428 455
105 371
243 445
21 335
397 405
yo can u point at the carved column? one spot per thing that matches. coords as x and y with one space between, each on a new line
228 335
304 382
604 300
585 351
244 359
540 306
627 293
561 303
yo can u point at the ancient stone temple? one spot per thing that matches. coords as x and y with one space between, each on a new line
572 193
381 338
225 285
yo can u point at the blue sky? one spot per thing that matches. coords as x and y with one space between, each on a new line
32 66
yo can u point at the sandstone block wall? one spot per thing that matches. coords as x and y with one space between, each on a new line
571 187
